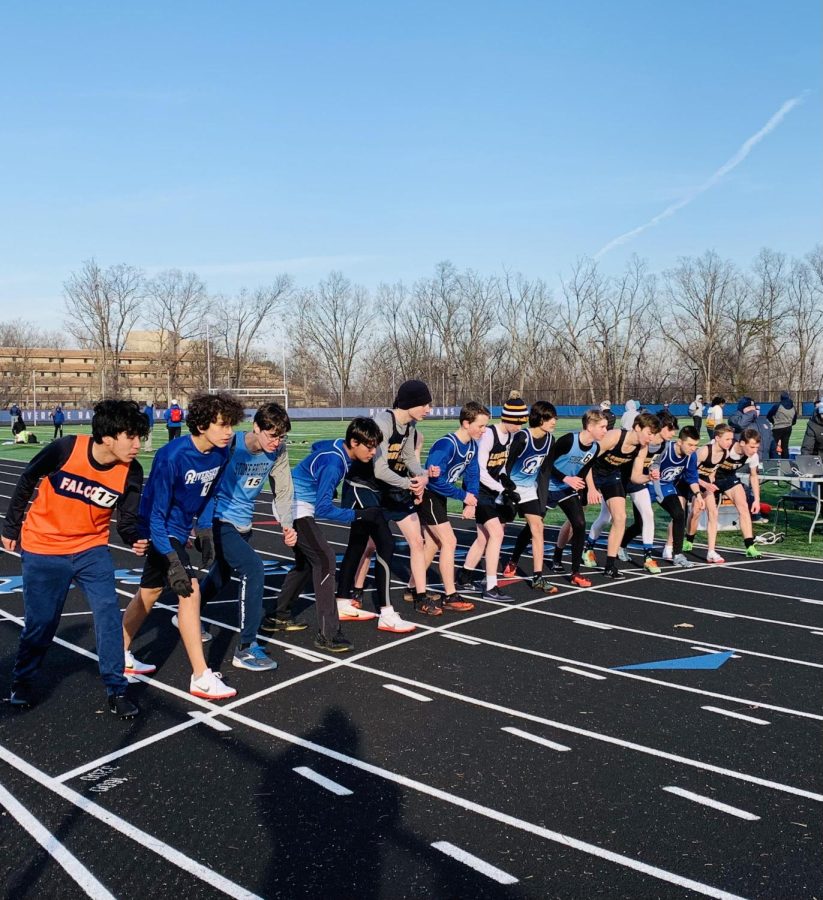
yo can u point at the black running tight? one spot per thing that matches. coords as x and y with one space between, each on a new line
573 510
359 535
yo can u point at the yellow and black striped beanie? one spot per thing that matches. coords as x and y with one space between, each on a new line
515 411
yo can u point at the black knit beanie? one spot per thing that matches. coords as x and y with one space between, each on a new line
515 411
412 393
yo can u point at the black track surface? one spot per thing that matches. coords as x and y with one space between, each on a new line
583 814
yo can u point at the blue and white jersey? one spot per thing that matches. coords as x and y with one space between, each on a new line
570 457
242 482
179 491
316 479
526 456
457 461
674 466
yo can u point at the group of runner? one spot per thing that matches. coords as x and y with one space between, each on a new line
202 491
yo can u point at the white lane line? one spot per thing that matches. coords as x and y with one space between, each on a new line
205 719
305 654
735 715
582 672
474 862
407 693
715 804
713 612
324 782
593 624
70 863
495 815
818 633
813 602
544 742
149 841
460 639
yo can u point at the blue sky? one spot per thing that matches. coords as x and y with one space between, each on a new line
245 139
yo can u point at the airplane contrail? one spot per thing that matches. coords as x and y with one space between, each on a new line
745 149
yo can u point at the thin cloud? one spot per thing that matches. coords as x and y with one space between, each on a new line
745 149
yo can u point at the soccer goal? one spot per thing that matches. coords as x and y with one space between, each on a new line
254 397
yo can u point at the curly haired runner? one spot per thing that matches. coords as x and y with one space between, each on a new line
179 493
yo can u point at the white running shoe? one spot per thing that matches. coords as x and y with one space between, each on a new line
681 562
667 552
390 621
714 557
349 613
622 555
135 667
205 637
210 686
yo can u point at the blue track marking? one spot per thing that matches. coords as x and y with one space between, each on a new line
704 661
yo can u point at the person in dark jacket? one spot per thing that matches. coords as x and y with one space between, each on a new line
744 417
57 418
783 415
813 438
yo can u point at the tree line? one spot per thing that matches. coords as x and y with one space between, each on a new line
705 325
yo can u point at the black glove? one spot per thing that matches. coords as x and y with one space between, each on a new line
370 514
510 496
177 576
204 542
506 481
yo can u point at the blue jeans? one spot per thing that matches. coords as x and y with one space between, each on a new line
46 583
235 554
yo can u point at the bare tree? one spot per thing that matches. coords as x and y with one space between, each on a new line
805 323
699 293
334 322
524 311
176 307
239 323
102 307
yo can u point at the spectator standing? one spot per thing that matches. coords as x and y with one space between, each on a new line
716 415
606 409
696 412
174 417
813 438
148 412
57 418
14 413
745 417
783 415
18 429
628 417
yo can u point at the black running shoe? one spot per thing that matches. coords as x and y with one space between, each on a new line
465 577
121 706
558 567
270 624
21 696
429 604
613 572
337 644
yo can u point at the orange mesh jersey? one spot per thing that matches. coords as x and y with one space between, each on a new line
74 504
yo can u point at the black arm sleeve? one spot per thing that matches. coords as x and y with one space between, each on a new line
48 460
518 443
129 504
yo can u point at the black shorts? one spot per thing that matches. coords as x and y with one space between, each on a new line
486 510
558 497
432 510
726 485
156 566
531 508
611 487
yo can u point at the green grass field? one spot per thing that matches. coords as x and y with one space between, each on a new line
304 433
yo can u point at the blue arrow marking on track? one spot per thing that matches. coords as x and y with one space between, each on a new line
704 661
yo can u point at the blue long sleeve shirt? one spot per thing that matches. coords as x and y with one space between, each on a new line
316 479
179 492
456 460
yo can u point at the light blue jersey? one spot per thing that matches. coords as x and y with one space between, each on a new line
570 458
242 482
526 456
